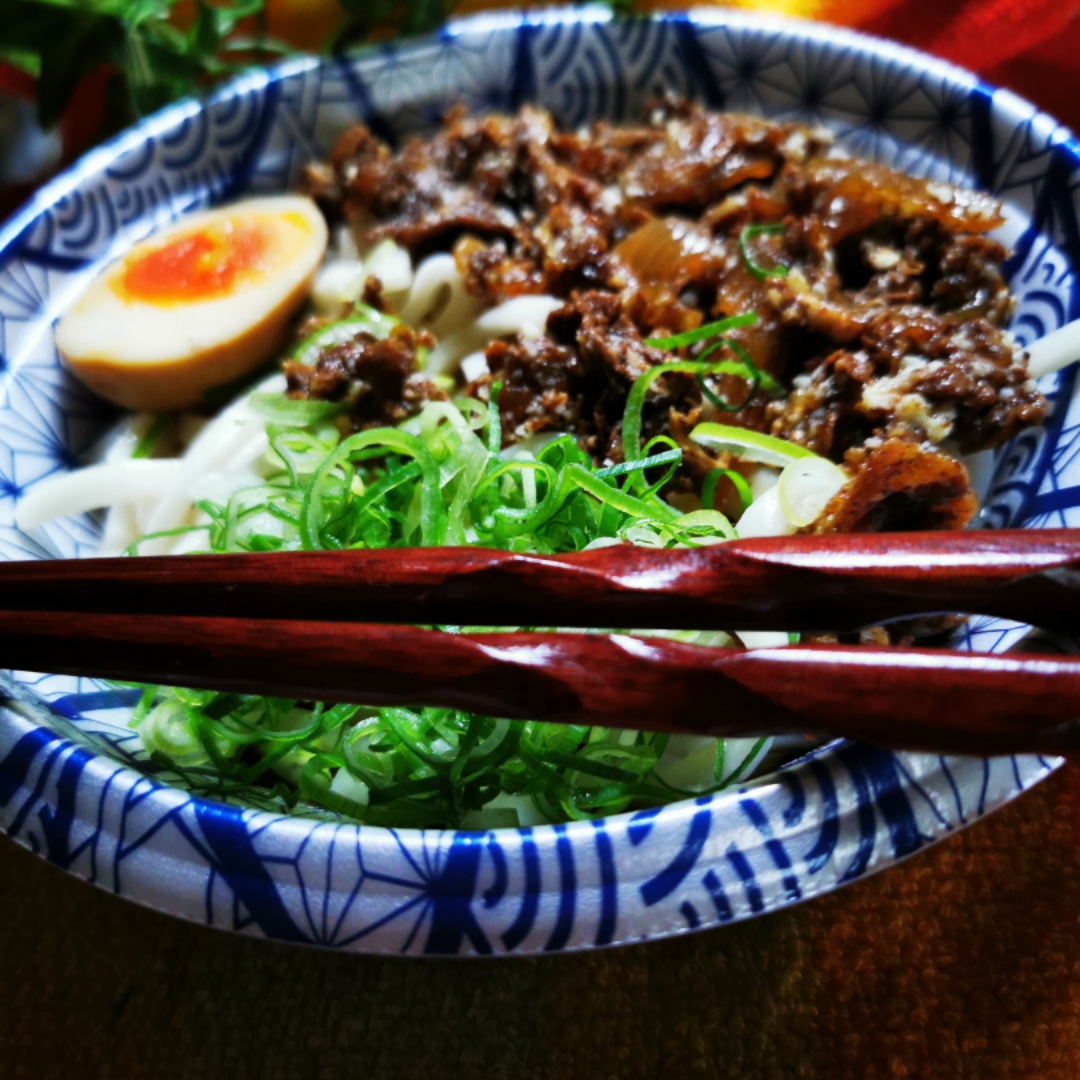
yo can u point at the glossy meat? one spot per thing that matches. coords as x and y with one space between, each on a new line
879 298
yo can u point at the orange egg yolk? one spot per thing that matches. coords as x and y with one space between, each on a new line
208 264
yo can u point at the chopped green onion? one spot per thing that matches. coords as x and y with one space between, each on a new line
767 382
364 320
431 481
294 412
703 526
326 487
657 485
718 402
150 438
579 476
635 401
314 782
750 371
747 444
666 458
494 420
746 763
703 333
145 704
760 272
708 487
718 766
183 530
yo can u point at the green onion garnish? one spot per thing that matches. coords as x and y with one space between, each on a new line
754 375
364 319
494 419
718 402
635 401
765 380
708 487
147 444
299 412
439 478
749 445
703 333
665 458
760 272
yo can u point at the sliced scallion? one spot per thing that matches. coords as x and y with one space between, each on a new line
748 445
494 420
760 272
294 412
363 320
703 333
434 480
147 444
708 487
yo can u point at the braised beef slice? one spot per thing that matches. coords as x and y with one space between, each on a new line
902 485
882 318
909 370
378 379
576 378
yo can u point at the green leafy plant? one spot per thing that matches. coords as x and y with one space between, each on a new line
154 60
156 57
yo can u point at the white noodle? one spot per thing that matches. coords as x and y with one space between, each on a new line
1055 351
473 366
122 528
438 301
122 482
391 265
345 243
524 315
436 280
763 639
337 284
981 467
229 444
805 488
764 517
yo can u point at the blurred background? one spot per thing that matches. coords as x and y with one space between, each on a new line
73 72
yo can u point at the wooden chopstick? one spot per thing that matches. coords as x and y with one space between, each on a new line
937 700
835 582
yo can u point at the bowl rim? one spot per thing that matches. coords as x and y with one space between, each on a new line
97 159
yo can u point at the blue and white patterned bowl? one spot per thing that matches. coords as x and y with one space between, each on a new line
72 786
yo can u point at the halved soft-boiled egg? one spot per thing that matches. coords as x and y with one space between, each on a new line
195 306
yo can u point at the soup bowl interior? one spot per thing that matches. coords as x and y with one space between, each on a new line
75 785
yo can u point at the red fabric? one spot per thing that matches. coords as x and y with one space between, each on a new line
985 34
1029 46
85 114
16 83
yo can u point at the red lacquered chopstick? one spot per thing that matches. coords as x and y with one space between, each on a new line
912 699
836 582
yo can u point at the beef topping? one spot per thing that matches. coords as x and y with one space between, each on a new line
880 303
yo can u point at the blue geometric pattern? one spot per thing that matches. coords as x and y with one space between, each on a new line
74 784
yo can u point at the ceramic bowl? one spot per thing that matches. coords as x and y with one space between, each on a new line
73 785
